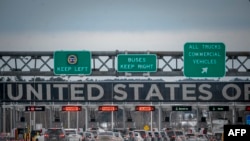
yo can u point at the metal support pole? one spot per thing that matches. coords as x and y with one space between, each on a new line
151 120
112 121
198 117
4 120
30 121
68 119
170 119
233 115
86 118
77 119
50 117
11 118
124 118
211 120
160 118
34 120
14 115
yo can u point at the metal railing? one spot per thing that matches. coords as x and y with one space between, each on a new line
104 63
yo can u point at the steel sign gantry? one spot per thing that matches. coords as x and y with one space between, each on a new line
38 63
104 63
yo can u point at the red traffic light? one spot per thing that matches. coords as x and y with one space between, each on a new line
71 108
145 108
108 108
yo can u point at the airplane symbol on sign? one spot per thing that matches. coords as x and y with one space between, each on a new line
204 70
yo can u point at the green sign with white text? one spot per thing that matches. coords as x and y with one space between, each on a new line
72 62
204 59
137 63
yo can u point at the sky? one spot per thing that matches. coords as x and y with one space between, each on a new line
124 25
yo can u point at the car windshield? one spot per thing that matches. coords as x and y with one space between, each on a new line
162 133
54 131
137 134
130 133
70 132
117 134
190 135
88 134
106 133
178 133
200 136
157 134
170 133
35 132
143 133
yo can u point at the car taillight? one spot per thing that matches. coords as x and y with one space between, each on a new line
46 135
62 136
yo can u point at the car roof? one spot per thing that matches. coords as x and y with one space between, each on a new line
137 133
55 129
70 129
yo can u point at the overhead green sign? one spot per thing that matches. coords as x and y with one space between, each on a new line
72 62
204 59
136 63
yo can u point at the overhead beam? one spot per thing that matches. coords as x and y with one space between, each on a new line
170 63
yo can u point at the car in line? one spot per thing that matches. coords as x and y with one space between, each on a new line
144 134
164 135
81 133
72 134
191 137
202 137
138 136
132 136
176 135
158 136
55 134
151 135
89 136
106 136
119 136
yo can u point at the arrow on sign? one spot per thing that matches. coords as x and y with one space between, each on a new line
204 70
